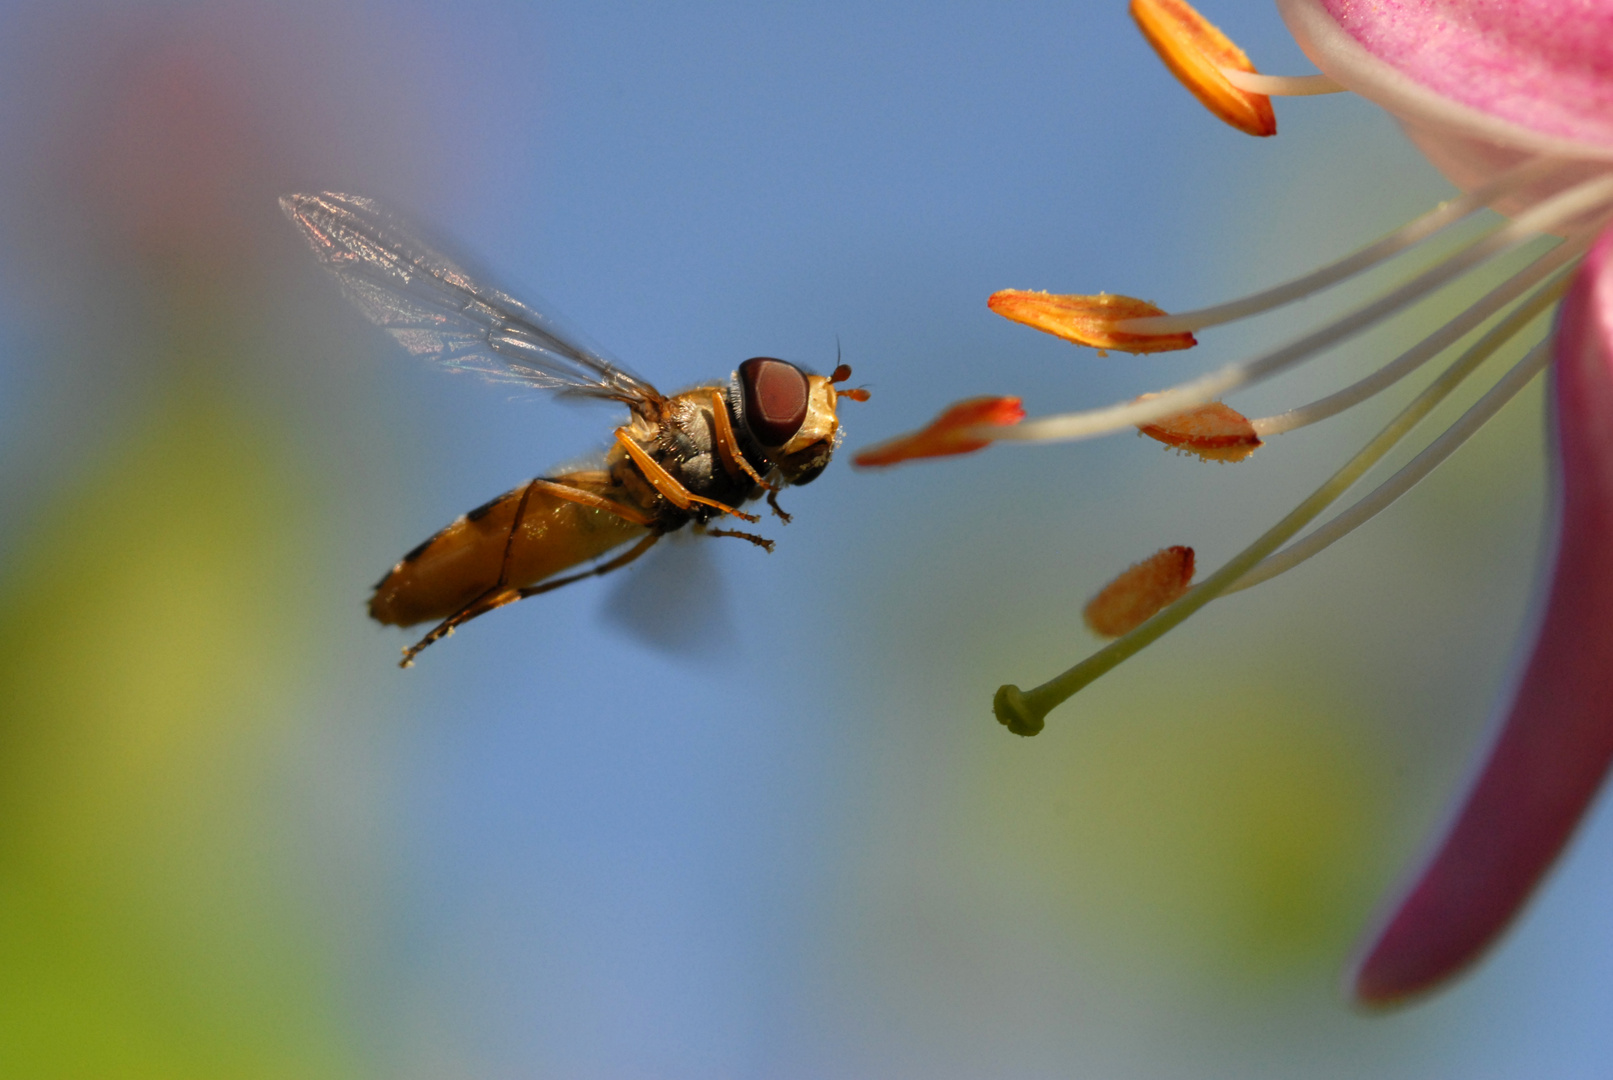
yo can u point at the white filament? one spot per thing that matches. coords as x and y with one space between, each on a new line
1545 216
1280 85
1403 481
1426 349
1413 232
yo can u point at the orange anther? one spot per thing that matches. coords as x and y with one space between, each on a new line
1087 320
1195 51
949 433
1132 598
1215 432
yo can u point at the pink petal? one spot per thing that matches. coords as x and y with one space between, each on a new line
1554 745
1546 65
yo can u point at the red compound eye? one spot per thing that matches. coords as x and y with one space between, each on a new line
775 394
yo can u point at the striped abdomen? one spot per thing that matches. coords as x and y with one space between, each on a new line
461 562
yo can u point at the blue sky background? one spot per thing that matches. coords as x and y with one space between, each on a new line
751 816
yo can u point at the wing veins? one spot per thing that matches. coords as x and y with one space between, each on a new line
434 308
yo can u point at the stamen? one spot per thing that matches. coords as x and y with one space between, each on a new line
1251 82
1024 711
1413 232
1545 216
1130 599
1408 477
1197 54
1430 346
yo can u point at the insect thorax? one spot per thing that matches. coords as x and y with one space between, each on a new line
684 443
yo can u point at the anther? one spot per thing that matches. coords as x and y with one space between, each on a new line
961 429
1214 432
1088 320
1138 594
1198 54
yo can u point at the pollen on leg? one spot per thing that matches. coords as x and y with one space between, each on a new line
1196 52
1213 431
1132 598
1088 320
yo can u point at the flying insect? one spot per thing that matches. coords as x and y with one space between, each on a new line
691 458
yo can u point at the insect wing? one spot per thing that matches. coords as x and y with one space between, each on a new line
675 600
435 309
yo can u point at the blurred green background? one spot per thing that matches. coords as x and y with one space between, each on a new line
763 825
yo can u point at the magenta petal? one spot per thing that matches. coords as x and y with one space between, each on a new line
1544 64
1555 743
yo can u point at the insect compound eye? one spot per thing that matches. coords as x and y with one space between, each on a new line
775 395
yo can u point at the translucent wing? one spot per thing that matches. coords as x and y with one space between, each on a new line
675 601
435 309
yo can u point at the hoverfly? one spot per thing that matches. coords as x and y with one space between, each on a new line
688 458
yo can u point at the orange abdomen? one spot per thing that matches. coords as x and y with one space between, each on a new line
441 576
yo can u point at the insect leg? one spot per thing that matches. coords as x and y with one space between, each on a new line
665 483
509 541
499 594
759 541
495 596
733 458
772 500
598 502
603 568
728 445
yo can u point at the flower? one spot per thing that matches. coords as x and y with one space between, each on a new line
1513 101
